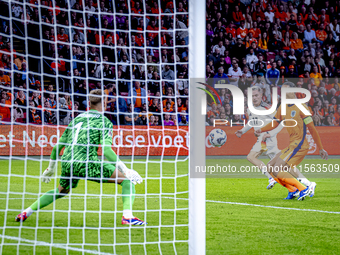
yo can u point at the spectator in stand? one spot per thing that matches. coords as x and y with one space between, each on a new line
269 13
251 59
62 37
18 62
258 13
296 44
292 73
152 121
273 75
237 15
316 76
34 115
183 119
263 42
138 95
168 74
168 107
167 121
309 35
234 73
337 116
221 77
130 117
20 97
321 34
142 120
281 15
220 47
239 49
242 31
5 112
18 113
4 79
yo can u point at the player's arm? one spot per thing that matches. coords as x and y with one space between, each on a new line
272 125
276 130
273 132
245 129
52 167
309 123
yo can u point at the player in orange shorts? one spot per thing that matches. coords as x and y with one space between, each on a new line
284 162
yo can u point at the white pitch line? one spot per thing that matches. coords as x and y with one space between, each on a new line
273 207
40 243
217 202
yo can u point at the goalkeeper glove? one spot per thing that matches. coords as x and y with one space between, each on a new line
49 171
130 174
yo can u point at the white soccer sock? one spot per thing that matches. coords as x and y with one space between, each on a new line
28 211
304 181
265 172
127 214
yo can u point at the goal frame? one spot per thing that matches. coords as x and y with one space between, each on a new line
197 182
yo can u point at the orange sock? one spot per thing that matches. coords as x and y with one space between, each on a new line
286 185
289 179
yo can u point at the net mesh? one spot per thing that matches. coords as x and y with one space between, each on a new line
53 53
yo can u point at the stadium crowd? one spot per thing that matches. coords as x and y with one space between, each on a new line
54 52
267 42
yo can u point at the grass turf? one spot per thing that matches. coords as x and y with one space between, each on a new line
231 228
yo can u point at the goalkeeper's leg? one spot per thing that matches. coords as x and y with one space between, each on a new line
52 195
48 198
128 195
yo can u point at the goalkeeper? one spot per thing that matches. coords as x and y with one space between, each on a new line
81 140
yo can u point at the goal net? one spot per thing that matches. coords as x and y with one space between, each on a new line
53 53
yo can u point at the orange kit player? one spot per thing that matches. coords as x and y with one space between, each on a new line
293 155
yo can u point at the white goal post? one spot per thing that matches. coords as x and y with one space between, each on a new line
197 181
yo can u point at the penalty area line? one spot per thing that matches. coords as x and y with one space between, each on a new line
41 243
272 207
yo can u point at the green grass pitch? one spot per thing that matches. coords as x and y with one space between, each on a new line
237 227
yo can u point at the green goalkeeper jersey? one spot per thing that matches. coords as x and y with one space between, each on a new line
83 136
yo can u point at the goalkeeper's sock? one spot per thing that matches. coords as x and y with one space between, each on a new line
48 198
287 178
28 211
128 195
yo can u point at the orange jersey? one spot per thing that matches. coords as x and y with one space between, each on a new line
297 134
232 31
242 32
255 31
5 79
62 38
296 44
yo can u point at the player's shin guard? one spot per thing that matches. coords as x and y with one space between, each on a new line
128 195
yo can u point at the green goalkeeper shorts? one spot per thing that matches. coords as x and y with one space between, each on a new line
90 171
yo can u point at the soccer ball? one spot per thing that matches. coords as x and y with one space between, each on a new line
217 137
